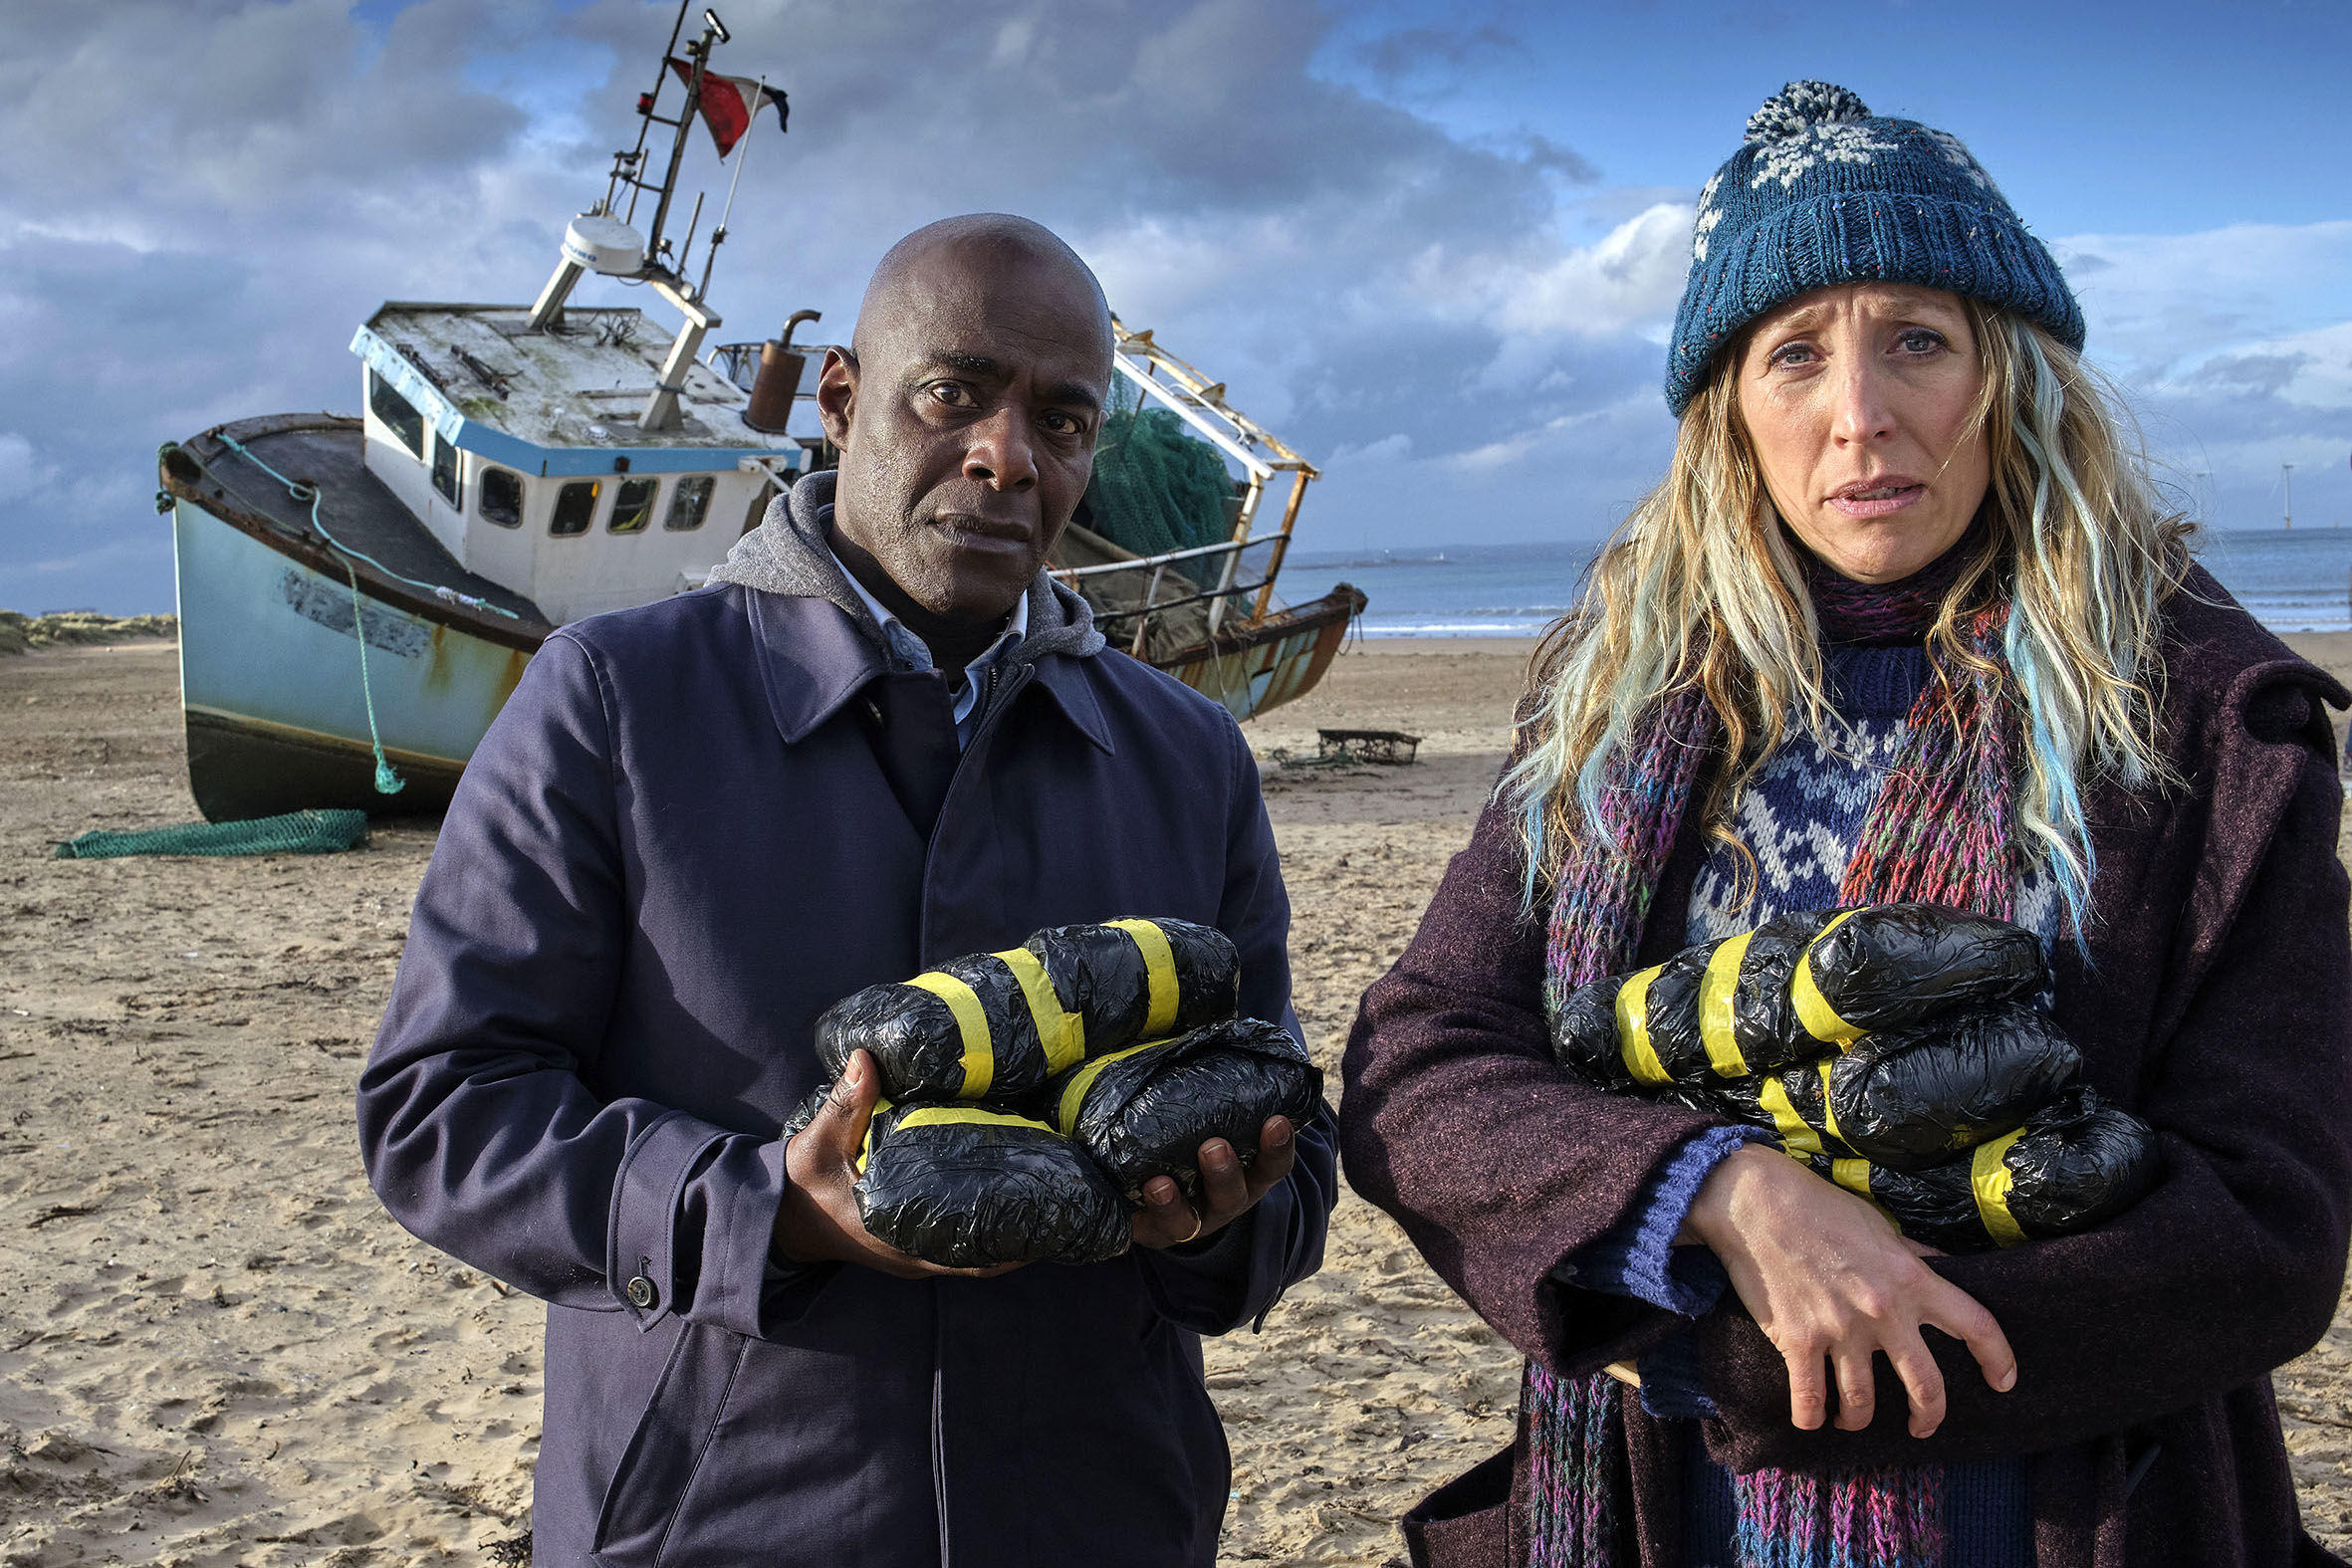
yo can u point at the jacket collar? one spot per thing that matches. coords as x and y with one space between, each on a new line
1070 681
814 658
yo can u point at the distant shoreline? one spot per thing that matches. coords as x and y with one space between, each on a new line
21 634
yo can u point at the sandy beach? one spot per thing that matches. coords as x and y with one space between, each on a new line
217 1349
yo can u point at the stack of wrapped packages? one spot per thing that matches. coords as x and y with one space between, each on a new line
1029 1095
1902 1051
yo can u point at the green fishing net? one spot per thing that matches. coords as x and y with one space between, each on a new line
292 833
1157 488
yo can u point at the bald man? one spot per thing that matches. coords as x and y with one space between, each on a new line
884 737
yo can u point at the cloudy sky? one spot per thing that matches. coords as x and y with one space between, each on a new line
1435 246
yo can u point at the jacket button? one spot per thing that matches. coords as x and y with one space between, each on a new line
641 1292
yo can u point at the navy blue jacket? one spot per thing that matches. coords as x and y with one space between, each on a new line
681 842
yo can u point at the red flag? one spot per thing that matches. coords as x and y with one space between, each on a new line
729 103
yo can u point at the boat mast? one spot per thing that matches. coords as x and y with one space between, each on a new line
604 241
661 406
631 162
713 31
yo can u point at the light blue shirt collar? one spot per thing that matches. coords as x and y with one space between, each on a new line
910 652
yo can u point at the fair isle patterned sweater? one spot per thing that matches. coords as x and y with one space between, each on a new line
1800 819
1802 814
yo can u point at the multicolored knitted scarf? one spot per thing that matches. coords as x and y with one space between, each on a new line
1938 831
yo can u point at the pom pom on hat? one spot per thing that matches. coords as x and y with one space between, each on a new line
1823 192
1799 106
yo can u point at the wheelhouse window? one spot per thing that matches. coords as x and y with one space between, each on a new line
498 498
445 472
575 507
397 413
690 503
633 505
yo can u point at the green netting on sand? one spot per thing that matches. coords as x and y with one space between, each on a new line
293 833
1155 486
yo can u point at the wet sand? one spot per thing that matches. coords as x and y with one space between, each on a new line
216 1348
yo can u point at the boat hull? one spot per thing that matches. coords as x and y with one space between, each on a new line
270 681
1270 662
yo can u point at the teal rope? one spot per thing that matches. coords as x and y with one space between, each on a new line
309 493
386 780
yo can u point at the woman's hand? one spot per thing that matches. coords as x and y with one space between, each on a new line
1827 1278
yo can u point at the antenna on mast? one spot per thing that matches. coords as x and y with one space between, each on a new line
630 164
714 32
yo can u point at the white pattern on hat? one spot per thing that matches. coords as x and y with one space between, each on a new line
1788 159
1710 214
1958 155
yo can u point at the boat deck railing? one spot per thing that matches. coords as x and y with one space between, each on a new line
1234 580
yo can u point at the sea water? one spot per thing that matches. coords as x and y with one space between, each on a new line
2289 580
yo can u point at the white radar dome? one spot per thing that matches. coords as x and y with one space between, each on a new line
604 245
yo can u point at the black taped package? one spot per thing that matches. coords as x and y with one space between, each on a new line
1585 1034
1795 1104
1670 1023
1791 991
2076 1164
968 1188
1764 1019
1116 977
1716 1011
1886 965
995 1025
1146 1111
1907 1098
1660 1025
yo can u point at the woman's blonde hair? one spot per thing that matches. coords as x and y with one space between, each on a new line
1701 587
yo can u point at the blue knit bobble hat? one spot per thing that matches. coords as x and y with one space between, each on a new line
1824 192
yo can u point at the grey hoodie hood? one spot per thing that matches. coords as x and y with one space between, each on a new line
789 554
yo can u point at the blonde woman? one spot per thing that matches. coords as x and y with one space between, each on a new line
1903 621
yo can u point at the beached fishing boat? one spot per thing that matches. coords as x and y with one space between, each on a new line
360 593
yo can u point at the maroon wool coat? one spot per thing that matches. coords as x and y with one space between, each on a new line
2217 1004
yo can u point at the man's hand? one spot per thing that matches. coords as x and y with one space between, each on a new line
1829 1279
1227 1191
817 1220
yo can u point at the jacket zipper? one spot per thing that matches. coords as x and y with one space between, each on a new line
990 707
939 1428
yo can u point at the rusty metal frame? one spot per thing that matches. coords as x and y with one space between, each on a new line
1199 404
